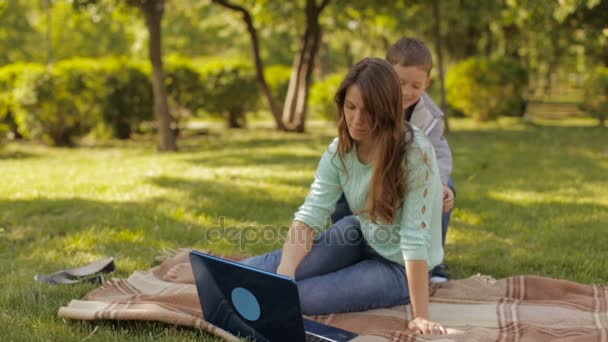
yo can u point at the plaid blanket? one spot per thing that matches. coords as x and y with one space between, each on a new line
479 308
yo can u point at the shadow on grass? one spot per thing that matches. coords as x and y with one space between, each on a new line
242 202
60 227
16 155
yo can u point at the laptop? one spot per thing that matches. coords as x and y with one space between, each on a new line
255 304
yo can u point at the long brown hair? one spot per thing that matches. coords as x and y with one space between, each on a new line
381 92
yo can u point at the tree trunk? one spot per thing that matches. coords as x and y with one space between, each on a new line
350 61
49 36
296 103
437 29
236 118
489 40
259 66
153 11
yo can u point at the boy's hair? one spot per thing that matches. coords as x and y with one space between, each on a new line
410 52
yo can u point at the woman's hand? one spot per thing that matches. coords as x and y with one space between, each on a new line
426 327
286 270
296 247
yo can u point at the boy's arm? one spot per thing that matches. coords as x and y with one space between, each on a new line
442 152
435 135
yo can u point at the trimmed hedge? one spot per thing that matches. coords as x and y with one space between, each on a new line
8 78
322 95
114 96
75 96
277 77
126 98
229 89
487 88
184 87
58 104
596 94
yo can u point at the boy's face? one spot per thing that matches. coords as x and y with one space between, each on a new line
414 80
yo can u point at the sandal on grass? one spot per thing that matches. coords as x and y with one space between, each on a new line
91 273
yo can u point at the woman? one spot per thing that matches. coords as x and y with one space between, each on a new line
387 170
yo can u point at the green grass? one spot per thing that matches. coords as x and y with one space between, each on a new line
532 199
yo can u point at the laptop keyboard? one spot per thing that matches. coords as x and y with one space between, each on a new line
315 338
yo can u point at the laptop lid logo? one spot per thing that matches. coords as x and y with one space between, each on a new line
245 303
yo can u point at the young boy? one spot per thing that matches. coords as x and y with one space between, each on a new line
413 61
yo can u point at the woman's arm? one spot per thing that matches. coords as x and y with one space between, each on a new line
418 283
296 247
421 230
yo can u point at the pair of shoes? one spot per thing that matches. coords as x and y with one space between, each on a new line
91 273
439 274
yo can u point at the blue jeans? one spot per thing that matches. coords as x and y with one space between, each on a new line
343 210
342 273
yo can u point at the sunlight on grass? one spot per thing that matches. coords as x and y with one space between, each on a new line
560 196
467 217
531 199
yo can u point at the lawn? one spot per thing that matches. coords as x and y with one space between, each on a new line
532 199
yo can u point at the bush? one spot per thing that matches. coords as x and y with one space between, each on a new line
126 96
77 95
322 95
229 89
487 88
57 104
8 80
61 103
184 87
596 94
277 77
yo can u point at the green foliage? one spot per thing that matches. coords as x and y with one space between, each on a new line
487 88
59 104
184 86
77 95
8 79
18 38
322 95
229 89
596 94
126 97
277 77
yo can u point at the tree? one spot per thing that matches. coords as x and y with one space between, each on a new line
589 15
296 104
152 11
259 65
17 34
437 26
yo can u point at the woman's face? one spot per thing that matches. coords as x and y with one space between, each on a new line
357 117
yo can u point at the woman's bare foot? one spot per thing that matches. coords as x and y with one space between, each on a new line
180 273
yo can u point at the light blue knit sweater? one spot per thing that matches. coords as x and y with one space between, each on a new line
416 231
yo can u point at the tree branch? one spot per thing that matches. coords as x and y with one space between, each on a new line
322 6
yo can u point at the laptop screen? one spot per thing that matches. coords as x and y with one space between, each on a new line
246 301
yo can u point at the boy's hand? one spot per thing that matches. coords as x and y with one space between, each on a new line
426 327
448 199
